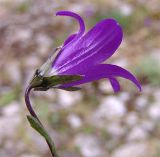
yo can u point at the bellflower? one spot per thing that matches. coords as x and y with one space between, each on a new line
79 60
84 53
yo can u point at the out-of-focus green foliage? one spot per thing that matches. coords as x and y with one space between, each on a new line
23 7
148 70
125 21
9 97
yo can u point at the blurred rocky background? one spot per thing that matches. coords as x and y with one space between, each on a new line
93 122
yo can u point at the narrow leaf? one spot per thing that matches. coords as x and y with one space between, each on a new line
40 129
36 125
59 79
70 88
41 89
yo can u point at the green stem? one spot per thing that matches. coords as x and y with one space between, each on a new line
36 123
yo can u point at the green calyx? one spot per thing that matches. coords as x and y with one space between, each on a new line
44 83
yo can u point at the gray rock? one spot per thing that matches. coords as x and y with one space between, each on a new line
141 102
110 108
10 121
131 119
126 9
137 133
89 146
13 72
154 111
147 125
115 129
133 150
67 99
105 86
11 110
124 96
9 125
74 121
123 62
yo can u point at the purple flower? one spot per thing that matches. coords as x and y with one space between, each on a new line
83 53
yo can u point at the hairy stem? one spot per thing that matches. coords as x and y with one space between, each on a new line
31 111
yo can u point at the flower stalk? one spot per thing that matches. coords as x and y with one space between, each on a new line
41 83
36 123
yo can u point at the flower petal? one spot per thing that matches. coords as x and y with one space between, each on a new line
115 84
77 17
106 71
69 39
91 49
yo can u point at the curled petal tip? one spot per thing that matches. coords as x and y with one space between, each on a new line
61 13
77 17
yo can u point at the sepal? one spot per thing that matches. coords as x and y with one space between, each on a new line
40 83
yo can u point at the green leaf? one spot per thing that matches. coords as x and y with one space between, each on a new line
60 79
71 88
41 89
8 98
41 83
40 129
44 83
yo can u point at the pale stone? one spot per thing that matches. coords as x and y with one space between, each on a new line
13 72
137 133
11 110
154 111
126 9
105 86
141 102
89 146
122 62
9 125
133 150
115 129
131 119
111 107
148 125
74 121
124 96
67 99
23 34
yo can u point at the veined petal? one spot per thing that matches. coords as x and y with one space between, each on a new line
68 45
91 49
106 71
69 39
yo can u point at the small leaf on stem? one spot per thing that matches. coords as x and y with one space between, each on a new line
40 129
